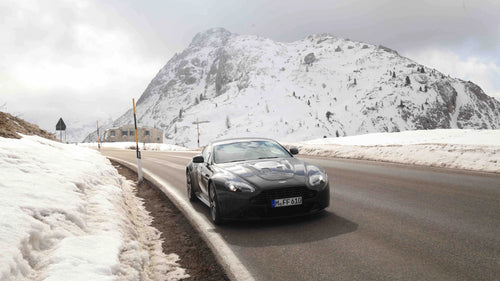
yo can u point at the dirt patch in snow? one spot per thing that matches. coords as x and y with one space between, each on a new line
176 232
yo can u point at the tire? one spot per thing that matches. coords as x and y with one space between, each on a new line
214 206
189 186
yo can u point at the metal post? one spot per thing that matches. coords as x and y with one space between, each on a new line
198 128
198 122
139 164
98 139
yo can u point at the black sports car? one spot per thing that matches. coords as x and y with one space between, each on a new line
254 177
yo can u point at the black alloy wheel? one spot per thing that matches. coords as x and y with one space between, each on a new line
214 205
189 186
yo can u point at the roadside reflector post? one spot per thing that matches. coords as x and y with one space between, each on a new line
198 128
139 164
98 138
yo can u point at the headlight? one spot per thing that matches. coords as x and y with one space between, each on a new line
238 186
316 177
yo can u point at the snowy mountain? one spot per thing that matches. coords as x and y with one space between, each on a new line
245 85
77 131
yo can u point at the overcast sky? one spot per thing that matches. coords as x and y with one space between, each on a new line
85 60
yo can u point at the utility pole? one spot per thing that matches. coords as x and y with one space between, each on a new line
198 128
139 164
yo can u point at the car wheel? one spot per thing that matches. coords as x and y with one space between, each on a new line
189 187
214 205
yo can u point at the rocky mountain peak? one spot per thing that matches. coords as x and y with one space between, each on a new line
214 37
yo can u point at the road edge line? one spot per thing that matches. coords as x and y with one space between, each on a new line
225 256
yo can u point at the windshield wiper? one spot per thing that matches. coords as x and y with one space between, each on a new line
268 157
236 161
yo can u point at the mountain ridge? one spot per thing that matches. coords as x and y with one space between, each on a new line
322 85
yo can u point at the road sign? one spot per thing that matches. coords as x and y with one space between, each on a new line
60 125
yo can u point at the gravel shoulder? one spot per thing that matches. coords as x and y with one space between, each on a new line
176 232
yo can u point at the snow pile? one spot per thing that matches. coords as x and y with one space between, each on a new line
142 146
477 150
438 136
68 215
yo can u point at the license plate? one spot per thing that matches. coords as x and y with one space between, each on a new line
287 202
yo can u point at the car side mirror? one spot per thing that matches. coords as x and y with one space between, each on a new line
294 150
198 159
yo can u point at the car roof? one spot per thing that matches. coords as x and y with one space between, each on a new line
231 140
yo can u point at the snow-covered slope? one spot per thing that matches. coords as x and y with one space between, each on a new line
320 86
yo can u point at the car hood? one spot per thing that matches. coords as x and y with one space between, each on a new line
258 172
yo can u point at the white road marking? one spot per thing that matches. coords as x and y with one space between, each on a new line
226 257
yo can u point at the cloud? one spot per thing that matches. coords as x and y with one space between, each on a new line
471 68
74 59
86 59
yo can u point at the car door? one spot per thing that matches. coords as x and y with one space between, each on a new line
204 170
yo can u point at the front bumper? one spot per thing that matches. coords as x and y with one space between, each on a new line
241 205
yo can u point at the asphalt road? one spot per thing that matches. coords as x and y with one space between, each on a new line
385 222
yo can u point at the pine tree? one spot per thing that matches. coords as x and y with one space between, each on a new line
180 113
394 74
228 123
337 133
407 81
328 115
355 82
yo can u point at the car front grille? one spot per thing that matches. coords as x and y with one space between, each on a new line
265 197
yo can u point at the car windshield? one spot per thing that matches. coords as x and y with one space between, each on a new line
248 150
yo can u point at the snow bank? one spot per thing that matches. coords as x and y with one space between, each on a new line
68 215
142 146
438 136
477 150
